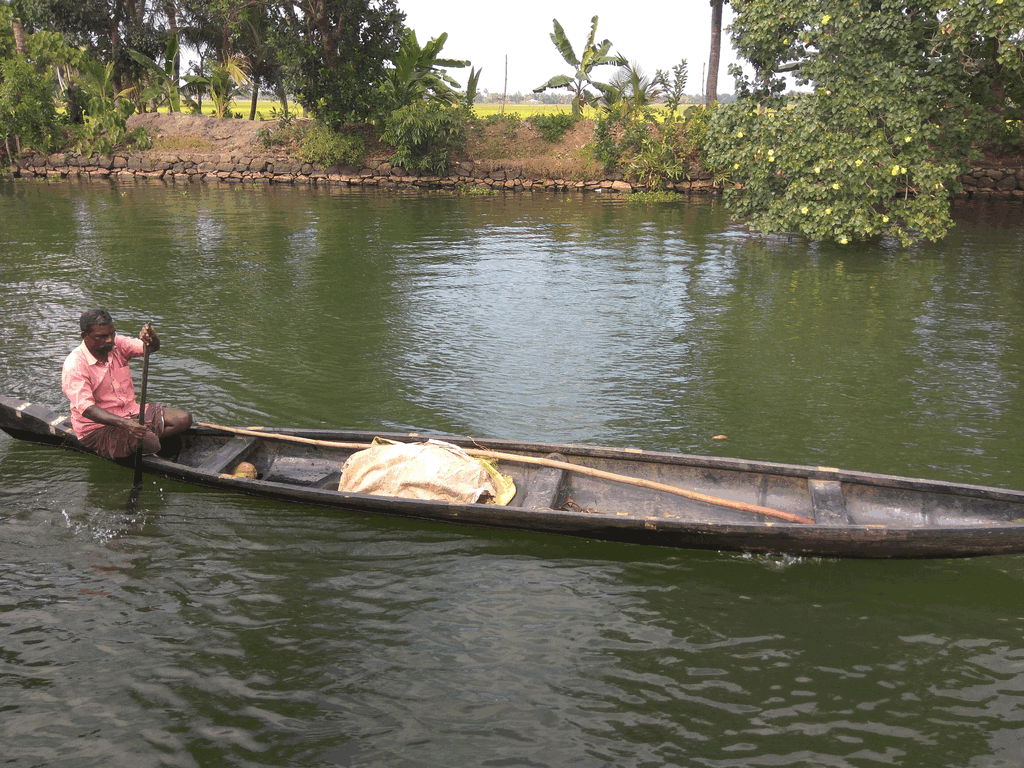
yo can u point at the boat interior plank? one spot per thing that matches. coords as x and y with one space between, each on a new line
546 488
235 450
829 503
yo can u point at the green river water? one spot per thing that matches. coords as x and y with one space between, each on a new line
211 629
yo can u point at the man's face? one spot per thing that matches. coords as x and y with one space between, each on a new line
99 340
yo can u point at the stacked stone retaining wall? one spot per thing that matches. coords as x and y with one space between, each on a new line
183 168
278 170
994 182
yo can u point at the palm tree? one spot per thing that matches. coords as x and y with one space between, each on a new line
19 38
592 55
631 93
223 83
252 30
716 50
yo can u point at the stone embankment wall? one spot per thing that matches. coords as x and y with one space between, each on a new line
277 170
994 182
979 183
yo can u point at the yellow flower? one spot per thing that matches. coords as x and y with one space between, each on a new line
843 240
835 185
907 139
885 219
828 211
903 170
895 170
817 169
825 19
739 134
804 210
737 165
859 163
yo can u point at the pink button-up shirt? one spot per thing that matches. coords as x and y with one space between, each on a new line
88 381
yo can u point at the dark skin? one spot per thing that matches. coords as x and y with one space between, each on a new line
99 340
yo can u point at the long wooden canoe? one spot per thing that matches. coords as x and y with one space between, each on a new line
692 502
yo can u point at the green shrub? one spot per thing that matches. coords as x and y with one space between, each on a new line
323 147
617 139
285 133
313 142
649 152
425 135
661 157
696 120
553 125
510 122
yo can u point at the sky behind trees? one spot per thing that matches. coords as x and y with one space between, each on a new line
655 35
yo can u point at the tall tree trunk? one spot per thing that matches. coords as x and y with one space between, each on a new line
19 38
282 95
255 98
716 50
19 46
172 23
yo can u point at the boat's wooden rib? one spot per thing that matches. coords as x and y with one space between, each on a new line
546 489
230 455
852 514
828 501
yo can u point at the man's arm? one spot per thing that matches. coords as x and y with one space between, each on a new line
101 416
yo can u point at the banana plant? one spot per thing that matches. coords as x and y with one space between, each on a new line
472 83
163 83
593 55
106 110
419 74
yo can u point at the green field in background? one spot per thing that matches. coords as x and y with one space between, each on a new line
523 110
267 110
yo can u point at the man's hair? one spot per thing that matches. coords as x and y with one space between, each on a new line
93 317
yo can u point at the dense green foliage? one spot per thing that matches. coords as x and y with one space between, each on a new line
325 148
902 94
314 142
27 109
649 151
335 54
553 125
106 111
649 146
425 135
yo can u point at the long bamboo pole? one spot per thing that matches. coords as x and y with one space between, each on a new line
717 501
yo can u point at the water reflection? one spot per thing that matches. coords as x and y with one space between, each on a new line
217 629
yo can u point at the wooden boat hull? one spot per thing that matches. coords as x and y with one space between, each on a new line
854 514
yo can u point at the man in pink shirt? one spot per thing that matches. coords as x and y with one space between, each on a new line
97 381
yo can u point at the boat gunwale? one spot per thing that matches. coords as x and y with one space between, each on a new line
809 472
857 541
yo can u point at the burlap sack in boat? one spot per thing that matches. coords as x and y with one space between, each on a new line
433 470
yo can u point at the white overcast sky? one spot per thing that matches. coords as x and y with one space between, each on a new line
654 34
